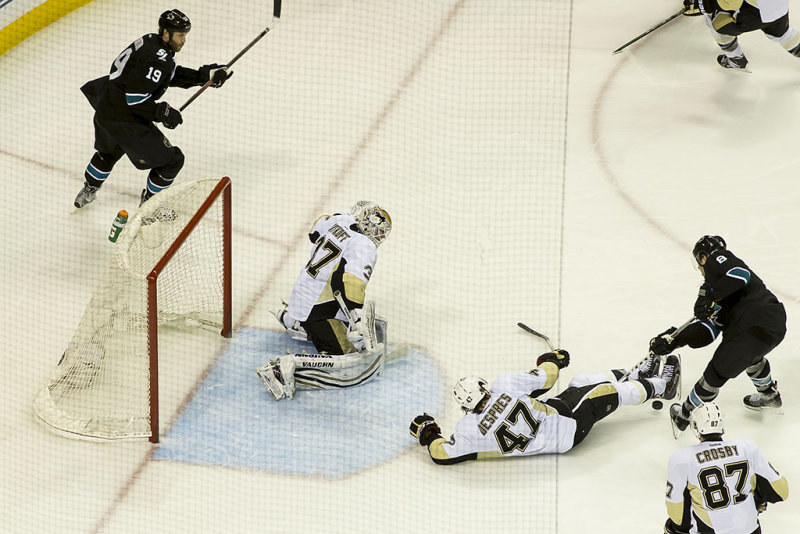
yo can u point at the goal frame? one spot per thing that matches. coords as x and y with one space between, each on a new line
223 188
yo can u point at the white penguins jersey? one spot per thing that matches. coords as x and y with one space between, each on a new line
715 480
342 258
511 424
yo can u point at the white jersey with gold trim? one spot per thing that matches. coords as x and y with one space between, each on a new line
717 479
342 258
512 424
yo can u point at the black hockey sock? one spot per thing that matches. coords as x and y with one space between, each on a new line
760 374
99 168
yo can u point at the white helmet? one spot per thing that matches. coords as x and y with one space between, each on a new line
707 419
470 391
372 220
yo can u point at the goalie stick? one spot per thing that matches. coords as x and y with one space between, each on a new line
649 31
276 17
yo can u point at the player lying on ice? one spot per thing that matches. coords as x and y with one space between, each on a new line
328 308
506 419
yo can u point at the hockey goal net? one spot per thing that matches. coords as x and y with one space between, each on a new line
171 264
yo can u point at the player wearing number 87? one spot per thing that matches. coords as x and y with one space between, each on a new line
506 419
719 485
126 107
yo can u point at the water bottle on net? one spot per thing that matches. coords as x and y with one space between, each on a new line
118 225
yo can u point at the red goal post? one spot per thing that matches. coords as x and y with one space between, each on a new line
171 265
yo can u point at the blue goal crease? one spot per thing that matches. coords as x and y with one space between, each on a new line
233 421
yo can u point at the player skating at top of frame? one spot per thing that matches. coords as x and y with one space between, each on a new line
328 307
733 301
126 107
727 19
719 485
506 419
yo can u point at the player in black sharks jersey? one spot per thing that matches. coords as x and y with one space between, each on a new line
733 300
126 107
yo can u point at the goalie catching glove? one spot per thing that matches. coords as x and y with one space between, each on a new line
425 429
559 357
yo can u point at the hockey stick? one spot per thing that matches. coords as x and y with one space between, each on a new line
648 32
530 330
670 338
276 17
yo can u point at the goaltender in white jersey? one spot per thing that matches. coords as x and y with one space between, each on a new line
719 486
507 420
350 350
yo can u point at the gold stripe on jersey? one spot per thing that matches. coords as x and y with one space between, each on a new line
436 449
781 487
354 288
552 374
698 503
340 331
675 511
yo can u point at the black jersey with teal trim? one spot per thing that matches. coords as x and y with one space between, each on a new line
138 77
744 299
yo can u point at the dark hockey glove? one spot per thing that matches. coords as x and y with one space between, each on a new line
691 8
661 344
704 305
425 429
559 357
670 527
167 115
218 74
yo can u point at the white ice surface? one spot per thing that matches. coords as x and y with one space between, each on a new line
531 176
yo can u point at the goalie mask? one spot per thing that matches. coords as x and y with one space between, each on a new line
706 419
706 245
372 220
470 392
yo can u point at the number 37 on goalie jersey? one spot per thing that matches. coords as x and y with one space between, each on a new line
341 259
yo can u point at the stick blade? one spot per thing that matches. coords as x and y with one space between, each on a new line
276 9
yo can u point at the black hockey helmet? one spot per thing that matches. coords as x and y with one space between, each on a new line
173 21
706 245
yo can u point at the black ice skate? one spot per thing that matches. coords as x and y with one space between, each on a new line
764 400
86 196
734 63
678 418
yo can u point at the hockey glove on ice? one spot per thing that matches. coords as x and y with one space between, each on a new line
425 429
218 74
704 305
661 344
167 115
670 527
559 357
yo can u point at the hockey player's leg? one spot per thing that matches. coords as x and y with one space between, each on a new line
780 32
733 56
337 371
107 154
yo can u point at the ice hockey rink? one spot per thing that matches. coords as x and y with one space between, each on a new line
531 176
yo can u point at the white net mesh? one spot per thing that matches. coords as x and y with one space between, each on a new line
101 386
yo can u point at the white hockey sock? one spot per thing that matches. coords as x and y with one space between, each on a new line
633 392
